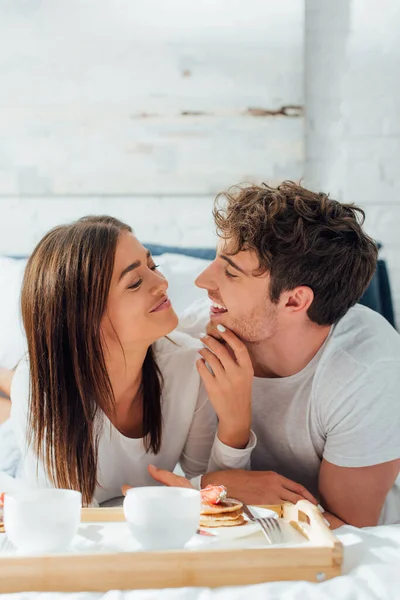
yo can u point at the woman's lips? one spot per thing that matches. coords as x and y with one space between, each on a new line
163 306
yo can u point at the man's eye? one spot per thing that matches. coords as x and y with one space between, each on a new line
135 286
154 267
230 274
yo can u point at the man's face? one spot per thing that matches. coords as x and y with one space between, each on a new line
239 297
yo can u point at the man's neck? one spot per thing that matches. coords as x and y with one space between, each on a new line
288 352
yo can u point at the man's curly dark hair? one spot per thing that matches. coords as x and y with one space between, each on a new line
301 238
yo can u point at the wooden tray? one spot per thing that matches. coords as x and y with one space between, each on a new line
317 560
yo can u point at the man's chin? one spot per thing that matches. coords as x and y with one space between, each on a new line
211 329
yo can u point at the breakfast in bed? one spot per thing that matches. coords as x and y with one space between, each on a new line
217 510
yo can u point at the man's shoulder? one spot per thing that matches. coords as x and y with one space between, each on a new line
363 337
359 343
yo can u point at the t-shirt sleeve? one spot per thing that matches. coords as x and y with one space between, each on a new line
203 451
362 422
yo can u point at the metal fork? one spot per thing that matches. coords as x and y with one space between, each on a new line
269 525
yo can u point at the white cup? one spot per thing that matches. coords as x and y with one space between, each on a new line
41 521
162 518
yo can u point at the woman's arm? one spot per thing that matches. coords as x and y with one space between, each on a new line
5 386
6 376
5 409
204 451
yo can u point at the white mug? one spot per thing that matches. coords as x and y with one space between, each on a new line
162 518
41 521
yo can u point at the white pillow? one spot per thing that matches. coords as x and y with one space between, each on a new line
12 338
180 271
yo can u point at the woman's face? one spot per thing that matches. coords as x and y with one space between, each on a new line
138 310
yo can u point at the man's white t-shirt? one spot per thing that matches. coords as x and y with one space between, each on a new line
344 406
189 429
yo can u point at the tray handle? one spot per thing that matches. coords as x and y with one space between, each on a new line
307 519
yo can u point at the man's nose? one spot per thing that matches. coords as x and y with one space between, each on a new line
206 279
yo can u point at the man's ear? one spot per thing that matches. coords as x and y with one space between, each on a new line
299 299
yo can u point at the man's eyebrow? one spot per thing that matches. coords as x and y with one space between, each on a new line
133 266
233 264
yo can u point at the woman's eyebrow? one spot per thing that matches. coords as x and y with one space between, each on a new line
133 266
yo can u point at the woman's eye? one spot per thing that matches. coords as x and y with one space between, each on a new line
230 274
136 285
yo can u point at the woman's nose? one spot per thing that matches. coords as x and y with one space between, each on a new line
159 283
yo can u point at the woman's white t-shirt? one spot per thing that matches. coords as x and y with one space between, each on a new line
189 429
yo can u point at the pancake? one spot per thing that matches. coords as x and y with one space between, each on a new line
218 521
229 516
226 506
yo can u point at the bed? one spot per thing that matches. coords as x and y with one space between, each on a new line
372 555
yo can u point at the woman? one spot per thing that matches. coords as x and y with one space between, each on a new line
104 393
5 385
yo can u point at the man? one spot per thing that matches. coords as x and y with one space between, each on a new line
290 267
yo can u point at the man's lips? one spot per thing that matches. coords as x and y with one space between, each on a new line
162 305
217 308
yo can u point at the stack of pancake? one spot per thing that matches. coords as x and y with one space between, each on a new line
227 513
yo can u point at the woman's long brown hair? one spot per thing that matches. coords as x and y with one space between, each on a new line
64 297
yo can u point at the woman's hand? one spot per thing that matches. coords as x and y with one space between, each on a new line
229 386
165 477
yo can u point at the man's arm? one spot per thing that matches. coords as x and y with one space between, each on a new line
356 495
251 487
361 455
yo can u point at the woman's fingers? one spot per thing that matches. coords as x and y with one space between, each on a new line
214 362
238 347
167 478
226 357
207 377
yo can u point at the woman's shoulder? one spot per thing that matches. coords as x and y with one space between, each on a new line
176 358
20 380
177 351
177 343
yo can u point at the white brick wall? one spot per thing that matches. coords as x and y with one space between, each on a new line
94 103
353 112
144 110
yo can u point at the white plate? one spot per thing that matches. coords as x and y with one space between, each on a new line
242 530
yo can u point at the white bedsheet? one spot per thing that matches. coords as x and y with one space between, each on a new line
371 572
